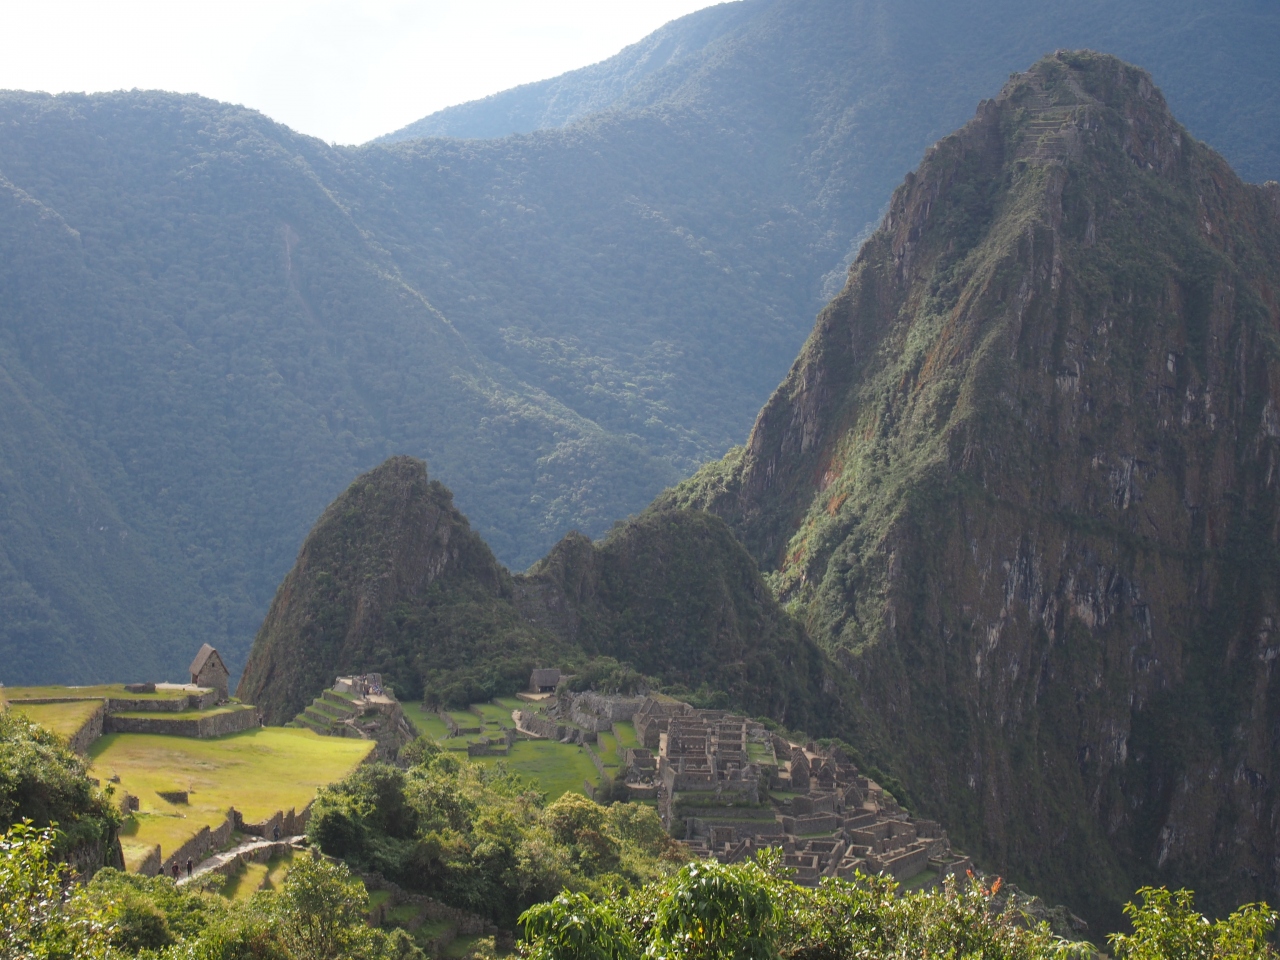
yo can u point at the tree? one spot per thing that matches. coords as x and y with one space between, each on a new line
1166 926
36 921
717 912
573 927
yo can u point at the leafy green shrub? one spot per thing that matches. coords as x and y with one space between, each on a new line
1166 926
44 782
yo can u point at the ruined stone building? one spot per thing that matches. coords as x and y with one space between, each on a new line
730 788
208 670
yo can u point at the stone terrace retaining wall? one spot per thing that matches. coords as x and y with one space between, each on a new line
196 848
216 725
540 726
291 824
90 730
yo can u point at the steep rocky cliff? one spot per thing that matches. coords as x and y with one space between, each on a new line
392 579
1022 482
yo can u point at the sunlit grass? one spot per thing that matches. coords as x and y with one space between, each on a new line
552 768
97 692
626 734
64 719
425 721
258 772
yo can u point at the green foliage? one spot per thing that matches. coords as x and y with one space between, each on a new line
714 912
1166 926
751 910
480 839
45 783
36 923
574 927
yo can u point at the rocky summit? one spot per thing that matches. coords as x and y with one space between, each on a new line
1022 484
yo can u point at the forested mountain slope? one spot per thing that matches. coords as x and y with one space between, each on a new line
1022 483
931 60
210 324
392 579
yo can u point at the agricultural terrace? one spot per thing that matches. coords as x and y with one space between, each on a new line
555 768
100 691
64 719
258 772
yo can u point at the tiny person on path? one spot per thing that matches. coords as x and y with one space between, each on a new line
175 871
275 832
189 866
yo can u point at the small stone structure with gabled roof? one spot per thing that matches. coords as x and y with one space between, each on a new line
208 670
544 680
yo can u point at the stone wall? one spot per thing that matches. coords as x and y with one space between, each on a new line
214 725
196 848
540 726
91 730
291 824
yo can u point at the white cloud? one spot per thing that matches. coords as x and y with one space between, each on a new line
341 70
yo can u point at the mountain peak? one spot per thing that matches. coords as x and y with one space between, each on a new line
1022 482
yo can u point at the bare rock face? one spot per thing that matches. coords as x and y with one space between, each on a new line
1022 482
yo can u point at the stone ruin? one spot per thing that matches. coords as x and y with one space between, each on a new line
714 776
361 707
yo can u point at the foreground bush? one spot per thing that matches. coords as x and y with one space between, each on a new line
319 914
481 839
750 911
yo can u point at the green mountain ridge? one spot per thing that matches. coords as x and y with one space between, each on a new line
1020 483
209 324
393 580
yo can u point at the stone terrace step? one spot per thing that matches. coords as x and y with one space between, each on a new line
337 701
318 717
305 721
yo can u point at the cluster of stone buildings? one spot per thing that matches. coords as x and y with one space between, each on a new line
736 788
730 787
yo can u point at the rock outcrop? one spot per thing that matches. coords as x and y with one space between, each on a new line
1022 483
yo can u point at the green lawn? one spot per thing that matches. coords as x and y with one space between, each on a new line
495 713
555 768
759 753
462 947
403 913
98 692
607 747
432 930
920 880
245 882
64 719
425 721
626 734
258 772
511 703
464 718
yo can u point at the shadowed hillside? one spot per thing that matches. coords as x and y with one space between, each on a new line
1022 484
209 325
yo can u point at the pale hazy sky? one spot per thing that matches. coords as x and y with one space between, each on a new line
342 70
